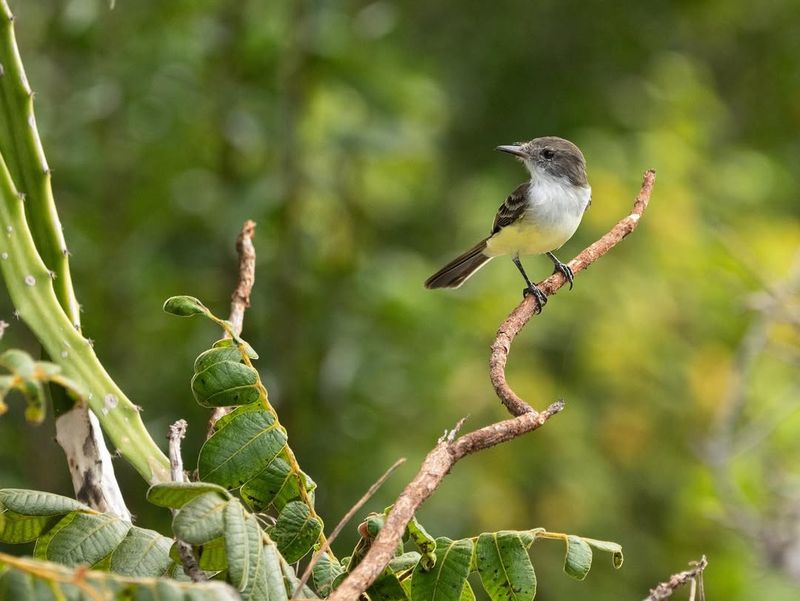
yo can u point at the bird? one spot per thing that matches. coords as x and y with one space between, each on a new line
538 217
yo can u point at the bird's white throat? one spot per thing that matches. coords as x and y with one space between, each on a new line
554 210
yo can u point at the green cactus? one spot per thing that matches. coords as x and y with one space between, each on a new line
22 150
34 264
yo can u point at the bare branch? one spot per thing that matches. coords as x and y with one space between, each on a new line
240 299
526 309
343 522
177 431
694 575
434 468
449 449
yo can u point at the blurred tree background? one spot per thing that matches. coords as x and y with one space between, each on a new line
360 135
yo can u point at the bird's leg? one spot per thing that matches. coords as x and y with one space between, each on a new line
541 298
562 268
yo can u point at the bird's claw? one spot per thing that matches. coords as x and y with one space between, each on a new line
566 271
541 297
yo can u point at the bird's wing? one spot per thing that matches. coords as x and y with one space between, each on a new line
512 208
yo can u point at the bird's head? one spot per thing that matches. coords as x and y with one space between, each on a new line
551 157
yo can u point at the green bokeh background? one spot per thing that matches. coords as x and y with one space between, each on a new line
359 136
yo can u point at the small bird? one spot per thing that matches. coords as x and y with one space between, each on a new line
538 217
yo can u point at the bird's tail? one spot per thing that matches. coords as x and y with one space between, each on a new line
459 269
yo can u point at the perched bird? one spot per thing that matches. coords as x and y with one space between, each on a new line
538 217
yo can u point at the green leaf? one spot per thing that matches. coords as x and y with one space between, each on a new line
82 538
242 545
504 566
404 562
467 594
176 494
529 536
142 553
241 448
216 355
274 574
614 548
275 485
295 531
239 342
578 559
324 573
446 580
19 363
374 524
226 383
29 377
17 528
200 520
211 555
424 542
292 582
185 306
387 588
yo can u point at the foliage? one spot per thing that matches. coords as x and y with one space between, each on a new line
359 135
248 450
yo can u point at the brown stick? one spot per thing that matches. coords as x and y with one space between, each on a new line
695 576
176 433
449 450
434 468
240 299
526 309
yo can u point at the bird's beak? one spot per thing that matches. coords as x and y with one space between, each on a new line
515 150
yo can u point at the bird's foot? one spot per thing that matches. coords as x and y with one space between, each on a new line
566 271
541 297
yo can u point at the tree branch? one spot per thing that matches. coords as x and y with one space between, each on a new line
240 299
450 449
176 433
434 468
526 309
695 575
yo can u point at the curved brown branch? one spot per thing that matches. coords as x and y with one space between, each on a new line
434 468
450 449
526 309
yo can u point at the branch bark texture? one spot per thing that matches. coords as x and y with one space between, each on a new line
694 575
526 309
450 449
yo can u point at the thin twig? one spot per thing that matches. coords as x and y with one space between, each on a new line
343 522
177 431
240 299
449 449
694 575
525 310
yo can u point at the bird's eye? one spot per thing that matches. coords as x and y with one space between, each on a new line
548 153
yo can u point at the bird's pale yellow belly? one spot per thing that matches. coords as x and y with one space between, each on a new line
527 238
